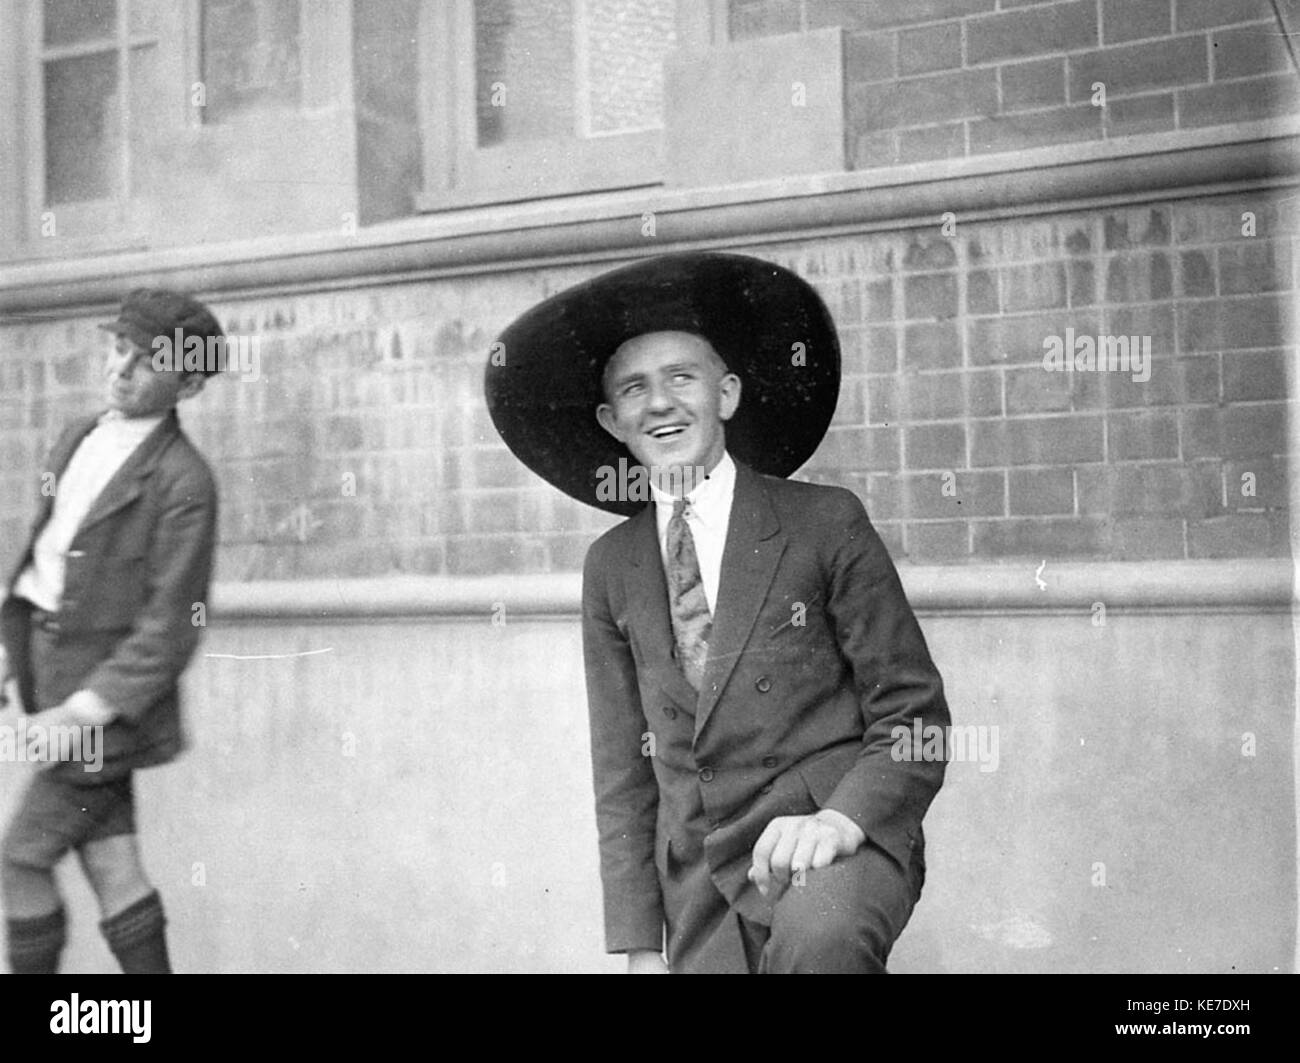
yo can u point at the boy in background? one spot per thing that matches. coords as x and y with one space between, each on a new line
97 626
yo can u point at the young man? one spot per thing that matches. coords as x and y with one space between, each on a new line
98 624
749 650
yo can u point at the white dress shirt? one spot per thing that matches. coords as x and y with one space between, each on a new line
708 516
98 457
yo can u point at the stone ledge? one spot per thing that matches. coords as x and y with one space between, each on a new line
1158 586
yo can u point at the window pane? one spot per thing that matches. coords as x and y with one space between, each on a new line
523 58
142 18
71 21
144 115
626 41
251 56
83 136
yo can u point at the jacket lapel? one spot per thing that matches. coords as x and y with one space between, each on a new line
754 547
60 455
647 593
59 458
126 484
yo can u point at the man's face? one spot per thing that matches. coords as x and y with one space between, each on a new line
134 388
668 395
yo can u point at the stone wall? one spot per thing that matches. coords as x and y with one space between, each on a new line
942 79
363 446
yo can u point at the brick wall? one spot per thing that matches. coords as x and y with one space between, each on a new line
965 447
365 447
937 79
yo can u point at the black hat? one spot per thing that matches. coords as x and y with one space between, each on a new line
148 313
543 379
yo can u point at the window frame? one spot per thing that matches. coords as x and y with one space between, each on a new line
86 218
459 173
196 117
128 223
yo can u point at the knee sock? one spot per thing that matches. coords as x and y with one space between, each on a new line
36 944
136 937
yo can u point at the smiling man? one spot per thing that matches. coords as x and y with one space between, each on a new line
748 646
680 441
98 624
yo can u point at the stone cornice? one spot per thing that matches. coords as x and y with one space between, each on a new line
609 227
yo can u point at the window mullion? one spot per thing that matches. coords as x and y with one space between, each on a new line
581 71
124 101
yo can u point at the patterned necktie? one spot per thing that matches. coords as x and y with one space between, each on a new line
687 603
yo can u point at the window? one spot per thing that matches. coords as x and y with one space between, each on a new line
530 98
250 56
98 65
159 122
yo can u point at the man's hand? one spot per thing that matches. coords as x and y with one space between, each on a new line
645 961
792 845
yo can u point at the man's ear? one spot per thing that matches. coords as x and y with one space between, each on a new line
605 416
728 396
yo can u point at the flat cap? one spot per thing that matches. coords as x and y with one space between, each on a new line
148 313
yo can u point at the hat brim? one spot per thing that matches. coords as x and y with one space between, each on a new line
543 380
137 335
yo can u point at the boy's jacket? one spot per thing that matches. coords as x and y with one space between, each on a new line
137 567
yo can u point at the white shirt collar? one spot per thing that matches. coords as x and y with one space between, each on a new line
710 500
113 425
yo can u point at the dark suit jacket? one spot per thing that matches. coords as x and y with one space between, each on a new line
137 565
795 712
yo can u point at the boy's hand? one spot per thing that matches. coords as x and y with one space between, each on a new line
85 708
792 845
9 696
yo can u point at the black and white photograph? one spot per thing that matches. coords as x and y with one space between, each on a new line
649 486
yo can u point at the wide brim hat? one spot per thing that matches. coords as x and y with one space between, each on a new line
543 380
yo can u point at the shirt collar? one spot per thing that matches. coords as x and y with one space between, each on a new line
111 422
710 500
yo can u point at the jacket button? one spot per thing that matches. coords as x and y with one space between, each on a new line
769 762
763 684
706 775
670 712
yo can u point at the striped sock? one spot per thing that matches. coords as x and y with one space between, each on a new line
136 937
36 944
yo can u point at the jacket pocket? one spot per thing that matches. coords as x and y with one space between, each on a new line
799 609
114 593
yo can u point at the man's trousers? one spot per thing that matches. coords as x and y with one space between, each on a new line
841 919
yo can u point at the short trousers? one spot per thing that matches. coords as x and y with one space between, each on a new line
62 810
